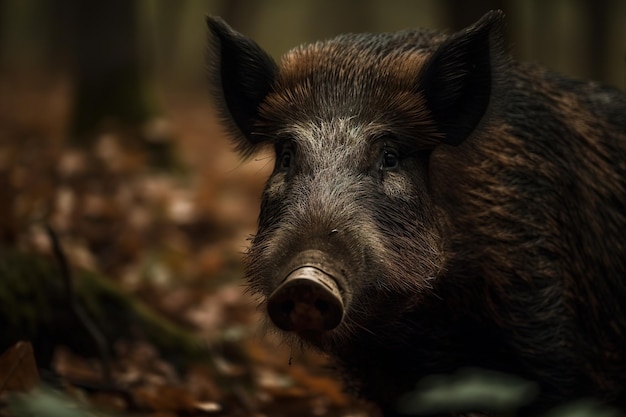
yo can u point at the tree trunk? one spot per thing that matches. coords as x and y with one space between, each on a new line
331 18
111 82
240 14
462 13
598 12
3 16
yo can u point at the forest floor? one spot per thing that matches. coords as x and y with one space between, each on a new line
171 239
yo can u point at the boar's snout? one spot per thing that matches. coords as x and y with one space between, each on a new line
307 301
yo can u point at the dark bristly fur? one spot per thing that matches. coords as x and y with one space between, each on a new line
475 206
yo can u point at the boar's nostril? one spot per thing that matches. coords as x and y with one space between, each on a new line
287 306
307 301
322 306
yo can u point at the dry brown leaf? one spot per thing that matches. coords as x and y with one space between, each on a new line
324 385
163 414
200 380
209 407
164 399
18 370
73 366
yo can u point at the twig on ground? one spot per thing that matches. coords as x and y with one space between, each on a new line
90 326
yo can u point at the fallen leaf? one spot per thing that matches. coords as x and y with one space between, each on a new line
164 399
209 407
18 370
319 384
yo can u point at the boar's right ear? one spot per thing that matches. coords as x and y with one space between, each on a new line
241 74
459 79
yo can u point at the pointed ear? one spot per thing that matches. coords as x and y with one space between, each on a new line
459 79
241 74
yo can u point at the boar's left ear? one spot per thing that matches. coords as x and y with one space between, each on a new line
241 74
458 79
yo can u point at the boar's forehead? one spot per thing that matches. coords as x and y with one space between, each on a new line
369 79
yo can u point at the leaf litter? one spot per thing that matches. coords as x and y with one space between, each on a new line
173 242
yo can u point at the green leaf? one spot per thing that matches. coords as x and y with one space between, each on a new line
583 408
46 402
468 390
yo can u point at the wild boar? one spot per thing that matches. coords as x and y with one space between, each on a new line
435 205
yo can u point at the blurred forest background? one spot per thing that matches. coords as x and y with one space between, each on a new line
124 211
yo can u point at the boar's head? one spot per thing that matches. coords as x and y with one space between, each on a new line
349 227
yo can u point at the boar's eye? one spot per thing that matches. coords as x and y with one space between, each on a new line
285 159
390 159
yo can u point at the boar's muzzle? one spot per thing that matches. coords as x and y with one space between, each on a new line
309 300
